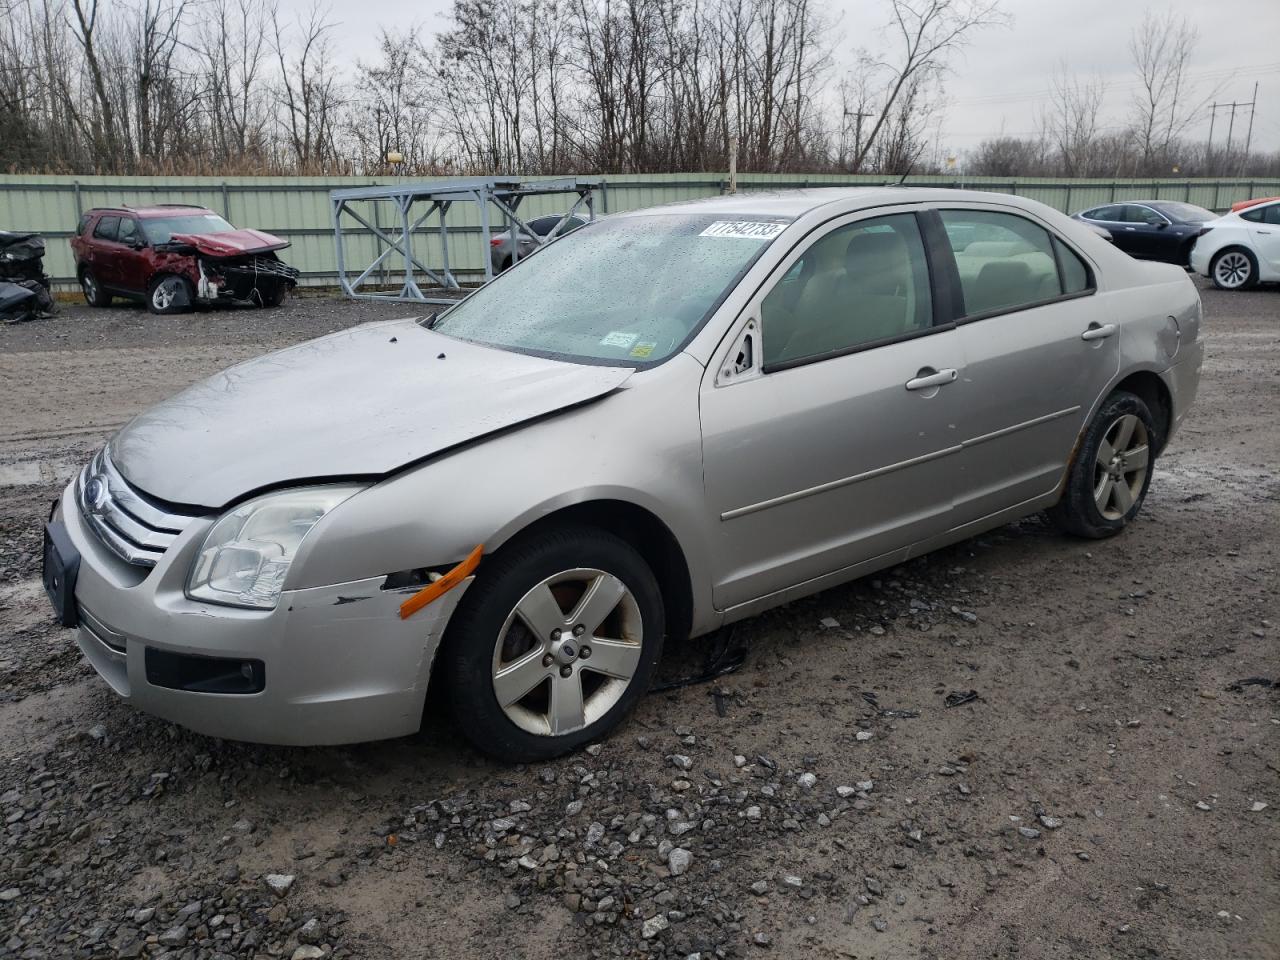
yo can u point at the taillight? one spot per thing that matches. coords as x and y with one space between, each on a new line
495 242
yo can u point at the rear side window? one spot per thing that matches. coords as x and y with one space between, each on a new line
108 228
1111 214
861 283
1013 264
1268 214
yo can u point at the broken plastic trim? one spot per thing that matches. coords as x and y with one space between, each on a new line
437 589
722 658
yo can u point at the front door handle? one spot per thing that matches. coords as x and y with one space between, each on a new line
939 379
1099 331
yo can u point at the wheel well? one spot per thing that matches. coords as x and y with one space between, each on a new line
1155 395
649 535
1229 248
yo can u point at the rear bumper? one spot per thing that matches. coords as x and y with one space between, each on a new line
1183 381
1199 260
338 663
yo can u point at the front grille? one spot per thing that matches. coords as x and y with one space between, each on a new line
130 525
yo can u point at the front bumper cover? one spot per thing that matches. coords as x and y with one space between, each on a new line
340 664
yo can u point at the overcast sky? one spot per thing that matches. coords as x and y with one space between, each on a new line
1002 79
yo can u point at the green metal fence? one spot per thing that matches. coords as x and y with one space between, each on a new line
297 209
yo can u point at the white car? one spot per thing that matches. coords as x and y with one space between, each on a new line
1240 249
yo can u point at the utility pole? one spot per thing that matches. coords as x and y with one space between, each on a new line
858 117
1231 124
1248 140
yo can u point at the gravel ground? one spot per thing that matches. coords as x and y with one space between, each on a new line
1110 790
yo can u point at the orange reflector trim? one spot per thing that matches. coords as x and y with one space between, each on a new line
433 591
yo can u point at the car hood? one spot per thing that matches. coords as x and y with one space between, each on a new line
233 243
359 403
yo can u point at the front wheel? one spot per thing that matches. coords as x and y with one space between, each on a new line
1234 269
553 644
170 294
1108 480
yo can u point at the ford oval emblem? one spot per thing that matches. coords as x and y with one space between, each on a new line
95 492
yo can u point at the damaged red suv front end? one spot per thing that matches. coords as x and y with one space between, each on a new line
175 257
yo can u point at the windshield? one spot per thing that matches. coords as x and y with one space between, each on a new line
162 229
1187 212
626 291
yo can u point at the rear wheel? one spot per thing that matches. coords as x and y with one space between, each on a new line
1234 269
1107 482
170 294
553 644
94 295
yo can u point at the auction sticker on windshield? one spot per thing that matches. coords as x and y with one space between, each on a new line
743 230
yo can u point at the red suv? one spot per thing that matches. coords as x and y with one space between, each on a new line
176 256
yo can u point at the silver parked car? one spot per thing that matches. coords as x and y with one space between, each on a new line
684 416
502 252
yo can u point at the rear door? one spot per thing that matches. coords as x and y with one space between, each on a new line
1264 232
1039 348
103 249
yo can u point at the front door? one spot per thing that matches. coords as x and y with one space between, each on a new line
133 263
1039 347
830 425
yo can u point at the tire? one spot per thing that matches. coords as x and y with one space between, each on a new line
1107 481
94 295
170 293
1234 269
505 638
273 296
506 265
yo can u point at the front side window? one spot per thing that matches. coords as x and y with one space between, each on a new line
107 228
128 230
862 283
1012 266
625 291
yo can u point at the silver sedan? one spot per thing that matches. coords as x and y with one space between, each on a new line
667 421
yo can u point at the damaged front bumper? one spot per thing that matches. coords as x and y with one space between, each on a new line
328 665
260 280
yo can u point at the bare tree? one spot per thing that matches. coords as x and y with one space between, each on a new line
1166 101
927 33
1072 121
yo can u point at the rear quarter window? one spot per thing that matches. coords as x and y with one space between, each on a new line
84 224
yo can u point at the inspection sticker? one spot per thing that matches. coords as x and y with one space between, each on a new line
618 339
743 230
643 349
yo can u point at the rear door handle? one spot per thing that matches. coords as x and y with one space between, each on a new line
1099 331
939 379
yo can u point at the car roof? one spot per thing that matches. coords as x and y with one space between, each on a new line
794 203
156 210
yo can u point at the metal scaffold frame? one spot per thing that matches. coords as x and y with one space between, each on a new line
504 194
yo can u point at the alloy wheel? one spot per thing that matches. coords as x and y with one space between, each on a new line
165 293
1232 270
90 287
567 652
1120 470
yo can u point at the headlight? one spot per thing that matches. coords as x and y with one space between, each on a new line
245 557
